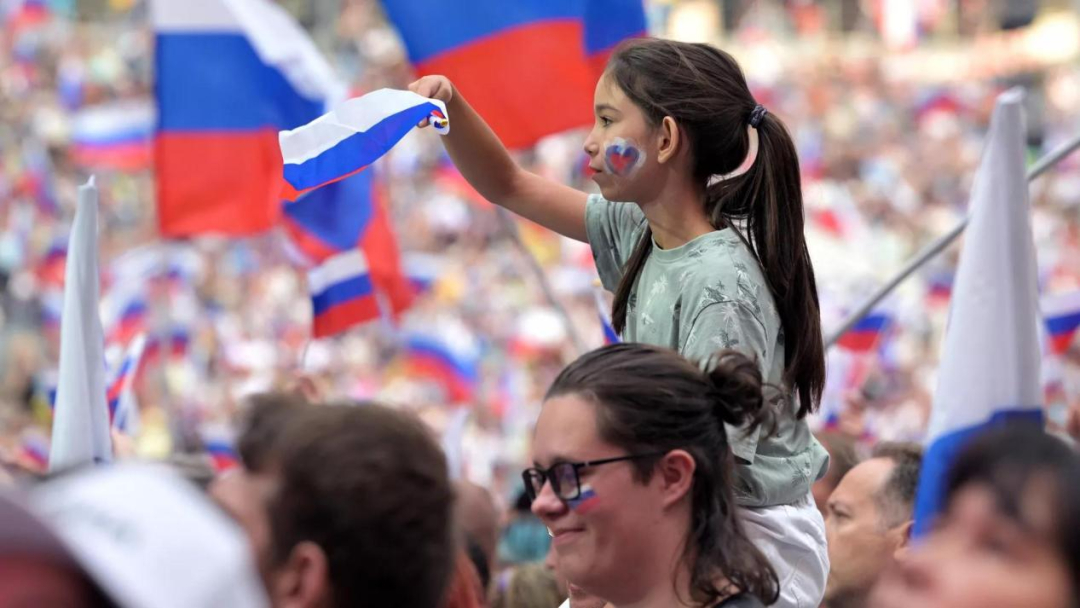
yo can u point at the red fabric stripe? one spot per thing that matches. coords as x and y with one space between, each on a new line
344 316
859 341
222 183
1061 343
527 82
311 246
124 157
384 259
458 390
289 193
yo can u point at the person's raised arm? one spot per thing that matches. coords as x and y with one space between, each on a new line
486 164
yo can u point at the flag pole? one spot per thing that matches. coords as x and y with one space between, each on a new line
933 249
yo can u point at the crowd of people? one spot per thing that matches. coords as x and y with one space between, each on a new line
356 479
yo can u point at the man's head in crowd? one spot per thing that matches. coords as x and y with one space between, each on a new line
1009 533
347 505
842 458
246 492
478 519
868 521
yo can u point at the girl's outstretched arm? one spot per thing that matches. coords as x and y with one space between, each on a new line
486 164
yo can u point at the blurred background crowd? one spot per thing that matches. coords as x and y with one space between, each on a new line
889 114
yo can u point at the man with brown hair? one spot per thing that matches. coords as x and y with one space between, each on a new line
357 507
868 521
246 492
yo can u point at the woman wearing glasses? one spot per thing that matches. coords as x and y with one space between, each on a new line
633 478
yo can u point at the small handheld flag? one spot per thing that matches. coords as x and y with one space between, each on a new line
342 294
866 334
356 134
1061 312
123 411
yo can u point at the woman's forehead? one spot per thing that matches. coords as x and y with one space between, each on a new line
566 430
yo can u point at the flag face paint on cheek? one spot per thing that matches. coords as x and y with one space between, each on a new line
623 157
586 502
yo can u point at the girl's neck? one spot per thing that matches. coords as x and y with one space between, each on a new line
677 217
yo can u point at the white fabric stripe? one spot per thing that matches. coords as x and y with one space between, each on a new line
337 269
282 43
112 118
192 16
352 117
1060 303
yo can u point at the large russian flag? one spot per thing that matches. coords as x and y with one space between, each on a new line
349 216
231 74
1061 313
529 67
989 371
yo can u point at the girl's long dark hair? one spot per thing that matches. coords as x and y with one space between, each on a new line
704 90
651 399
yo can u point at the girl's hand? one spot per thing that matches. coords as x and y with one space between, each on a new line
433 87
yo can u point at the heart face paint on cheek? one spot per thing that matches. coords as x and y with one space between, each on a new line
623 158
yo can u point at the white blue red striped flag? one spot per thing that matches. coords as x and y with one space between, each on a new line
123 410
351 137
989 371
342 294
1061 312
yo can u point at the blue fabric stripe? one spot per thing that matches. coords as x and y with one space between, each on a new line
1063 324
340 293
356 151
608 22
430 28
939 458
610 336
127 136
216 82
337 214
430 348
872 323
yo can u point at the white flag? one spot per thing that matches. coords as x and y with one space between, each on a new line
81 417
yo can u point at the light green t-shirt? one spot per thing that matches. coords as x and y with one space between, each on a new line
704 296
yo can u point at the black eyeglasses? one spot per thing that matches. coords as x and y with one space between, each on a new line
564 476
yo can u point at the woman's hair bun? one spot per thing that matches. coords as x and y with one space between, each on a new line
738 388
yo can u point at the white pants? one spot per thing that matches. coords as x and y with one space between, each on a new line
792 537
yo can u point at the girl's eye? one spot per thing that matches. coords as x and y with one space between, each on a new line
605 121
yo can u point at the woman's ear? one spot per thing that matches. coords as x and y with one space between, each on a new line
676 473
670 140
